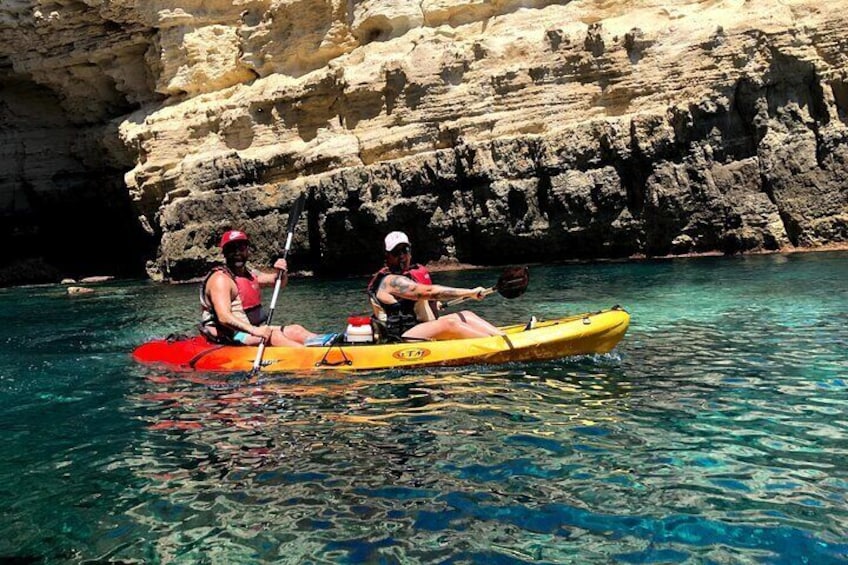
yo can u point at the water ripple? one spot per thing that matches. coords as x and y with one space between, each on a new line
716 433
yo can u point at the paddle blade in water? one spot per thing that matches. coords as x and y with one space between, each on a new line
513 282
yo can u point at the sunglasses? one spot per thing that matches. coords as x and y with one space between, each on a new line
401 250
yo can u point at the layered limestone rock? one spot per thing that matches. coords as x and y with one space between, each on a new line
492 131
68 77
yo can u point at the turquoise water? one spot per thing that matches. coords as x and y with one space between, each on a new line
717 432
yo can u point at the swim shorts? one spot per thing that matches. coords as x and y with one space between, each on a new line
241 337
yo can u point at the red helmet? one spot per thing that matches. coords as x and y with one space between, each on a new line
232 236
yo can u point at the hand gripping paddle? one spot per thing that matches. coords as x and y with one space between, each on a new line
511 284
294 215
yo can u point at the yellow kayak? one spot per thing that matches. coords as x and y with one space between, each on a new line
582 334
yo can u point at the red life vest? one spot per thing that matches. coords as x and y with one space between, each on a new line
249 290
419 274
249 300
416 272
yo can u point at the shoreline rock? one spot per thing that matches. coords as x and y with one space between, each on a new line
97 279
74 290
555 132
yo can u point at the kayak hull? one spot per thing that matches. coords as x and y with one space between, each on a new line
583 334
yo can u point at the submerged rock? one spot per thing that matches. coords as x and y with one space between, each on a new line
80 290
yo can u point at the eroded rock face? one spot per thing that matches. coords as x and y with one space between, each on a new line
68 76
491 131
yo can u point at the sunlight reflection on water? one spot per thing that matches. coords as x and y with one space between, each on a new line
716 432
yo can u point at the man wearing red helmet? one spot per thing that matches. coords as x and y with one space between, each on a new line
231 300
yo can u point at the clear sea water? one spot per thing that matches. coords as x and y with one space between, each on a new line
717 432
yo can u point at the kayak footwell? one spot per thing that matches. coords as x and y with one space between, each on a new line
583 334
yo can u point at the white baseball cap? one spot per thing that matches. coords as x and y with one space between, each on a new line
396 238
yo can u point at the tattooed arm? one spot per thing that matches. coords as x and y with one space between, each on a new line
398 286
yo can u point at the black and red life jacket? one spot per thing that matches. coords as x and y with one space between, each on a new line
400 315
249 292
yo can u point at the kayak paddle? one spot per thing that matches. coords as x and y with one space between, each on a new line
294 215
511 284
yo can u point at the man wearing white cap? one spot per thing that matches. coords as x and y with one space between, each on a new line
400 291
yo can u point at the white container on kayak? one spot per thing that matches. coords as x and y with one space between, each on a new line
359 330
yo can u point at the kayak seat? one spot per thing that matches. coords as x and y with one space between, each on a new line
381 331
378 321
379 327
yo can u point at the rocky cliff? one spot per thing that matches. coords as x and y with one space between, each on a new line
493 131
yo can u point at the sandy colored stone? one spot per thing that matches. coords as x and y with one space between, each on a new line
491 129
97 279
79 290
